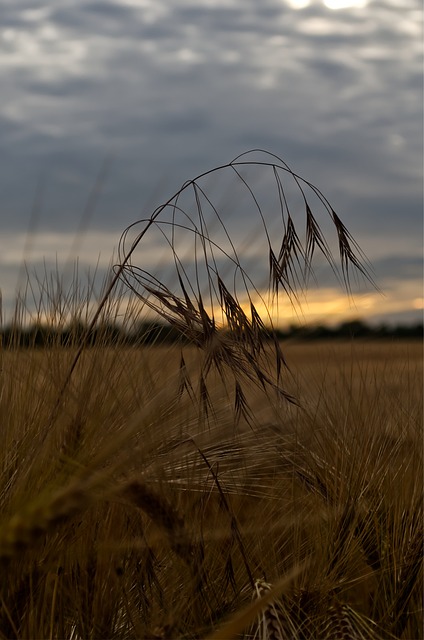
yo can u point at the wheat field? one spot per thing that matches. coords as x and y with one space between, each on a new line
141 513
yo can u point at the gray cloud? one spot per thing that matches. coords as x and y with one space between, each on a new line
171 89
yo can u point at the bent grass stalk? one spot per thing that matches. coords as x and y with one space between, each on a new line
189 315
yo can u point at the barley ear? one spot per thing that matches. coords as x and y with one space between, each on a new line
244 617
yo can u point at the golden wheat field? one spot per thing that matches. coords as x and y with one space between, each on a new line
153 501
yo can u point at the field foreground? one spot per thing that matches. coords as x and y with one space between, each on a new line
150 500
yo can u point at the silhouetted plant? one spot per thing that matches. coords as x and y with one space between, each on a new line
211 292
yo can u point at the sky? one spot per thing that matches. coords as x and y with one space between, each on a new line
128 99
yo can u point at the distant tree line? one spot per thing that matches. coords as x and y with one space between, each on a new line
150 333
353 329
42 336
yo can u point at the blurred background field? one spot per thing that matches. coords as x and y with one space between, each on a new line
144 512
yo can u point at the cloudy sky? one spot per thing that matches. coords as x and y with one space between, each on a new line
150 93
